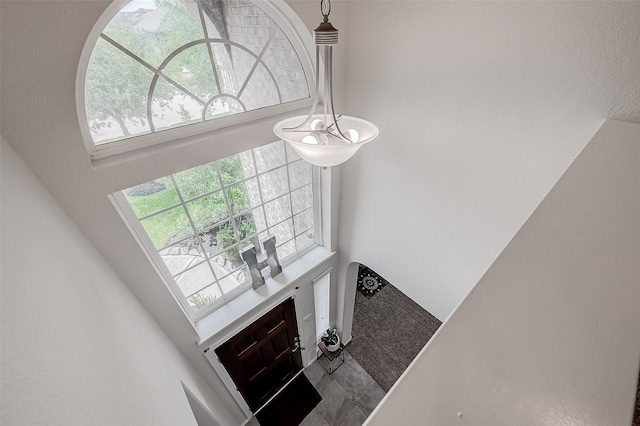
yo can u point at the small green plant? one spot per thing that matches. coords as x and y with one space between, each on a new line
330 337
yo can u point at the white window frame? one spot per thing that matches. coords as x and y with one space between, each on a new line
278 11
134 225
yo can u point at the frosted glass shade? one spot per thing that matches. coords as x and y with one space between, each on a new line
335 151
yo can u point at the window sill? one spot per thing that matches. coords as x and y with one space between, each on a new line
212 327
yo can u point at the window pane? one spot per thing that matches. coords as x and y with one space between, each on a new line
154 31
221 107
172 107
240 62
302 198
116 88
182 255
301 173
167 227
305 240
205 297
274 184
278 210
269 156
239 196
226 262
283 231
251 65
214 243
233 280
226 237
195 279
232 169
246 226
260 82
192 70
209 210
286 250
248 165
255 241
303 221
153 196
251 221
203 259
197 181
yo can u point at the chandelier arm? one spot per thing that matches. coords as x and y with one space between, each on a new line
315 97
329 59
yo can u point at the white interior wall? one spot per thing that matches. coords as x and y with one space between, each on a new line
481 107
549 336
41 46
77 346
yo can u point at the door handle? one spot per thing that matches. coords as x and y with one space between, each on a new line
296 344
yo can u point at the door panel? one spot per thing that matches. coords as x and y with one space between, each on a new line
264 356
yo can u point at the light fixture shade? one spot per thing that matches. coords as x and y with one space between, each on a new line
326 139
327 153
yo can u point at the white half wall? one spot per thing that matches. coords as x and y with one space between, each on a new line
77 346
549 336
481 108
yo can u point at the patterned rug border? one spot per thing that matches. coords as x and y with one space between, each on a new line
369 282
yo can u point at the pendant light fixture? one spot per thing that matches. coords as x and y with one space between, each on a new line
325 139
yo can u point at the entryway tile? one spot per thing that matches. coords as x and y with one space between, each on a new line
318 376
371 398
353 378
335 405
314 419
355 418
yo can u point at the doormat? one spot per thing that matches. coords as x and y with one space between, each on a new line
292 405
369 283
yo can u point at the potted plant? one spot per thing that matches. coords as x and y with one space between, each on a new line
331 339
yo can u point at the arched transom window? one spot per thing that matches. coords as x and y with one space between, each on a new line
161 64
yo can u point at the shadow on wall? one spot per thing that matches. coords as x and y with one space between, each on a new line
200 412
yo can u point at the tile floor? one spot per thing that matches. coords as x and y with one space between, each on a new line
349 395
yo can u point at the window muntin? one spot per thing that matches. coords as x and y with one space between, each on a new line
169 63
199 219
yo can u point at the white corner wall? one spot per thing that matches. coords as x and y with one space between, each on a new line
481 108
77 346
549 336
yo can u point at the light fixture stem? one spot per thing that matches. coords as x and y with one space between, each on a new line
329 82
327 77
327 36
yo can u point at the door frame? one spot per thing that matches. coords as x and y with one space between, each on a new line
247 320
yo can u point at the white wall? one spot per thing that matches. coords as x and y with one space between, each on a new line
481 107
549 336
77 347
42 42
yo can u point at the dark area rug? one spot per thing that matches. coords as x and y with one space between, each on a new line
292 405
389 329
369 283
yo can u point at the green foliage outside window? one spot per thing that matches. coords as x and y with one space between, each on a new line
117 86
206 211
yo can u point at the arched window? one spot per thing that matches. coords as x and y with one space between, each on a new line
162 64
169 71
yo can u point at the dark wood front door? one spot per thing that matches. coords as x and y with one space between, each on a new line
264 356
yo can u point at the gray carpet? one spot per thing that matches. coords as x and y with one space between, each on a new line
389 330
